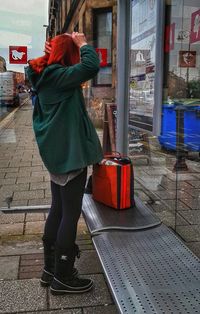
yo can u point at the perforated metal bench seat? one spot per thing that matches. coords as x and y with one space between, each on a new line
101 218
150 271
148 268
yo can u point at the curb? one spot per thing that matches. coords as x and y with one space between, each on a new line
10 117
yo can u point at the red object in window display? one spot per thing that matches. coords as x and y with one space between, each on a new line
169 37
103 55
18 54
195 27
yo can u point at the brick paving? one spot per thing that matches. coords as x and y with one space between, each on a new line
24 180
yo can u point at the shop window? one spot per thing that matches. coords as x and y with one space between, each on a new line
103 44
142 63
182 50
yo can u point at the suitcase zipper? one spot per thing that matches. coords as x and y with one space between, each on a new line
124 186
118 186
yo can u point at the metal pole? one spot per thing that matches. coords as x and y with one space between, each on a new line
33 208
159 61
123 61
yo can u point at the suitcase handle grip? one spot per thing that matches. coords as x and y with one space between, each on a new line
112 154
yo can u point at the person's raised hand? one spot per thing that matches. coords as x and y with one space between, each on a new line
47 47
79 39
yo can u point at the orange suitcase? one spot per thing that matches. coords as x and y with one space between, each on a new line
112 182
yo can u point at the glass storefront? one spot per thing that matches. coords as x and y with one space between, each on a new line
167 169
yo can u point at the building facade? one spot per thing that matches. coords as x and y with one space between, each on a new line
98 21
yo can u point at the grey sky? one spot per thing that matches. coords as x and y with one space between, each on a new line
21 24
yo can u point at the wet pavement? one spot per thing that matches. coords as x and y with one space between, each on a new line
25 181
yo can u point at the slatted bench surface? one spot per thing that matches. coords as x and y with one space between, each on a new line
101 218
150 271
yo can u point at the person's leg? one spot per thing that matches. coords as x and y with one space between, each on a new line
55 214
66 250
50 234
71 195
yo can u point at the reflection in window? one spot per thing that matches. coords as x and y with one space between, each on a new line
142 74
182 50
103 43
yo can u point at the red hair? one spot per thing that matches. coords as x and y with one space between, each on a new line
63 51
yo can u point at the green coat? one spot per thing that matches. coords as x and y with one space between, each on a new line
66 137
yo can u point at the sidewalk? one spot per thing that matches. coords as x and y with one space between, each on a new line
21 263
25 180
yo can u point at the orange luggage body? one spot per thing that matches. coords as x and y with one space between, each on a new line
112 185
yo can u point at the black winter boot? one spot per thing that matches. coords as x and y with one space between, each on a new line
49 263
64 281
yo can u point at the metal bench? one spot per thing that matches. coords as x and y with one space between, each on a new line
148 268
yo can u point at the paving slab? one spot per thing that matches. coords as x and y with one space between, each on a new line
43 201
22 295
156 170
99 295
195 184
15 187
171 195
34 227
171 185
189 233
105 309
194 247
192 203
169 205
17 175
9 169
9 266
27 180
194 192
8 181
31 168
87 247
26 195
82 228
21 247
192 216
11 218
143 196
89 263
11 229
64 311
40 185
18 203
34 217
169 219
182 176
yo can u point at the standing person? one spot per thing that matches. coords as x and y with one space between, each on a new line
33 96
67 143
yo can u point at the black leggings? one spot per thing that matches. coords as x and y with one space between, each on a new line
61 223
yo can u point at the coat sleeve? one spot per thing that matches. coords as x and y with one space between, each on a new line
73 76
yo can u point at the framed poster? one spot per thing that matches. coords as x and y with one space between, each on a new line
187 59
